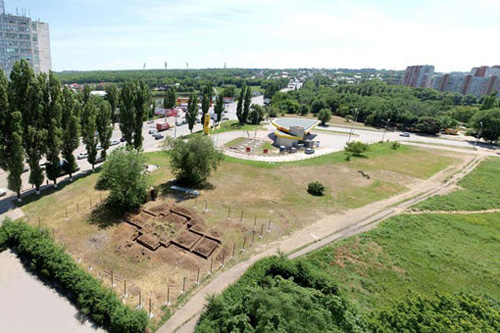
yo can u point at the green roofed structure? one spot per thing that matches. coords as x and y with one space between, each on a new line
290 131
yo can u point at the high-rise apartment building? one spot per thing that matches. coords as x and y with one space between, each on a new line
418 76
480 81
23 38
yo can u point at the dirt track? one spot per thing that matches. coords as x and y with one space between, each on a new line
323 232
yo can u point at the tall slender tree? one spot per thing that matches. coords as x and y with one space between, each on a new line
53 116
104 126
219 107
112 96
26 96
205 106
142 106
70 121
192 111
246 106
89 116
4 113
128 112
170 99
239 106
15 154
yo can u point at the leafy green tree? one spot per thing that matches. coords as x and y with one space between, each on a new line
128 113
193 161
246 105
356 148
142 105
456 313
26 96
89 128
304 110
316 188
192 111
205 105
53 118
85 93
219 107
170 99
123 175
15 154
104 126
489 101
256 114
448 122
487 124
4 117
239 105
324 115
112 96
70 121
428 125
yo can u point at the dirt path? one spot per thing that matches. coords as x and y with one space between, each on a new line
323 232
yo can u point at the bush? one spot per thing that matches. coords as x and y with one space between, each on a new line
49 261
316 188
193 161
356 148
324 116
123 174
395 145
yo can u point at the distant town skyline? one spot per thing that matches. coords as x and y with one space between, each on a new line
382 34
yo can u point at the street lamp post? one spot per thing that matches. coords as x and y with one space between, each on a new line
352 127
478 133
385 127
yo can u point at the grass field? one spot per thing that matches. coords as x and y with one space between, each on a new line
416 253
260 190
227 126
480 191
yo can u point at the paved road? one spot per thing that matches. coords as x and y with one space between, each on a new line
322 233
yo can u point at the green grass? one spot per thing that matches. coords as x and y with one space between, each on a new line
480 191
228 126
419 253
235 142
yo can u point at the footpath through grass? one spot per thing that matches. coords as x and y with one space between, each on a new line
480 191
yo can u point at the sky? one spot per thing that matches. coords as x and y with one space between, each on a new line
452 35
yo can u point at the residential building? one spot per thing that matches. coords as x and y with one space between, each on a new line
23 38
418 76
480 81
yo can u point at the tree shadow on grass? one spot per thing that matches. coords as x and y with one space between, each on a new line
105 215
165 191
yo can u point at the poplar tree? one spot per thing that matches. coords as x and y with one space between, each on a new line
205 106
70 121
53 115
246 106
112 96
170 99
15 154
127 112
192 111
26 96
219 107
89 128
104 126
239 106
142 105
4 113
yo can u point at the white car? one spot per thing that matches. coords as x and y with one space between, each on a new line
2 192
114 142
81 156
153 131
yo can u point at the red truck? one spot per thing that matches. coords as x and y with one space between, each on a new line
162 127
171 112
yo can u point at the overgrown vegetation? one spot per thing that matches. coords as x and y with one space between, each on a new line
316 188
479 190
49 261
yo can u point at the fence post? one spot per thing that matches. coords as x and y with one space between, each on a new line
139 306
112 280
261 230
254 222
241 217
168 296
243 246
151 315
125 289
183 285
253 236
198 277
234 248
269 226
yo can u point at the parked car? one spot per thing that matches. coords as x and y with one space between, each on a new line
3 192
158 136
82 155
122 139
405 134
153 131
178 122
62 164
309 151
150 121
114 142
225 118
198 121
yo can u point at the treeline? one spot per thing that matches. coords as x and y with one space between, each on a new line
378 104
276 295
50 263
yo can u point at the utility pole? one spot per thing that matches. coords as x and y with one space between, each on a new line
385 127
351 132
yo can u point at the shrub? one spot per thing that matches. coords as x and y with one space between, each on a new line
49 261
356 148
316 188
395 145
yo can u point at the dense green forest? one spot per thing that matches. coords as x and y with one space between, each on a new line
378 104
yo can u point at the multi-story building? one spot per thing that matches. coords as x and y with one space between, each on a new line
418 76
23 38
480 81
